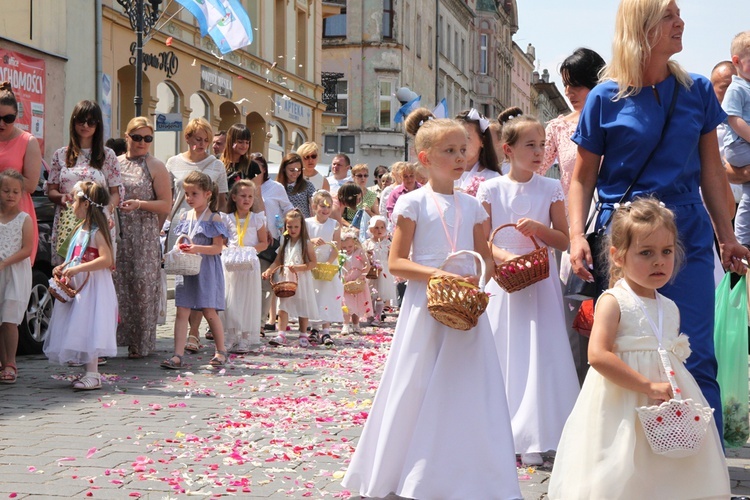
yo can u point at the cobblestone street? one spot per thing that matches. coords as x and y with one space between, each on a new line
276 423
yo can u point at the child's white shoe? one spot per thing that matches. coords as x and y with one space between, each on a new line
346 330
532 459
278 340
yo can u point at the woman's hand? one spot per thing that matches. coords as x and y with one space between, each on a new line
580 257
130 205
659 391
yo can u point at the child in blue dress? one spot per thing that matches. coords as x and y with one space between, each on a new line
205 290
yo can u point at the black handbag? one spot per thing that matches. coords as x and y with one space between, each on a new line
578 289
269 254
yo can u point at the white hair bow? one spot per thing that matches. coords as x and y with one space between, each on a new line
474 115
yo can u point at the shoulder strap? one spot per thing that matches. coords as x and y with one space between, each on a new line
650 156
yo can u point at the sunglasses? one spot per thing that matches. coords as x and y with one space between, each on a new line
362 176
311 157
8 118
91 122
138 138
293 169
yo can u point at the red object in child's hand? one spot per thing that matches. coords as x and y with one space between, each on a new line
184 246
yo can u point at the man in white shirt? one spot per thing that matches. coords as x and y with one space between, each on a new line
341 168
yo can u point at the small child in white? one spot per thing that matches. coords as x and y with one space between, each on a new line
377 248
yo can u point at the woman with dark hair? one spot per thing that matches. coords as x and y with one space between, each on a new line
299 190
481 159
19 151
236 158
277 205
580 74
84 159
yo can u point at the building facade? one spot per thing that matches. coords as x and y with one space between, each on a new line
272 86
523 67
548 102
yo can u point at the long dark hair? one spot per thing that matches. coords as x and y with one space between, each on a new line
98 198
487 156
258 159
204 183
289 159
86 110
303 236
237 132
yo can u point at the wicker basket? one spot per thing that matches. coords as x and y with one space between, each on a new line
60 287
324 271
373 273
180 263
516 274
283 289
356 286
455 302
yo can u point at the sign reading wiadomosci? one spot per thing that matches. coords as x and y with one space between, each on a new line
27 77
218 82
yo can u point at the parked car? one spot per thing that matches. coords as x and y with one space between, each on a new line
33 330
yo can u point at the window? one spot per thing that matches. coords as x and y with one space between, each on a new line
448 42
388 15
298 138
200 107
483 54
301 54
335 144
407 26
455 48
463 55
342 101
386 108
418 41
279 41
334 26
167 144
276 150
440 35
429 46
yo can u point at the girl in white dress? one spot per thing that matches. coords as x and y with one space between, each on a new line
439 425
243 298
297 255
377 247
16 244
529 325
355 266
84 328
324 231
603 452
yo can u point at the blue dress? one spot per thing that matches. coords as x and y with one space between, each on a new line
624 133
204 290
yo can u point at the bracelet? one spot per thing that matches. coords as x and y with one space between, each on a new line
139 204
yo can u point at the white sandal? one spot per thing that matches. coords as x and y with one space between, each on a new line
87 383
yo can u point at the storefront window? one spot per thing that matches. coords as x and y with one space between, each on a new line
200 107
276 150
166 144
297 139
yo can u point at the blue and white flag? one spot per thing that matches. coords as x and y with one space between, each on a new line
441 110
407 108
207 12
234 30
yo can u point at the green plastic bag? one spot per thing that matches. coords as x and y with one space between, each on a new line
730 340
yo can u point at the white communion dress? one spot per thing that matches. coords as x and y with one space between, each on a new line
529 325
328 294
439 425
302 304
604 453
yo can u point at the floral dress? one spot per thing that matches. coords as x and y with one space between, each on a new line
137 279
66 178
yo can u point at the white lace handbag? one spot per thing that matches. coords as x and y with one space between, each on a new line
239 258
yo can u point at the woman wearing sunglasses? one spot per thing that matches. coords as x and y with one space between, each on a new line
147 198
19 151
308 151
84 159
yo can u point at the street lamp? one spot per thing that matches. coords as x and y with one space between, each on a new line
142 17
404 95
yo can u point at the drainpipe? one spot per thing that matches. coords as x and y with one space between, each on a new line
98 50
438 29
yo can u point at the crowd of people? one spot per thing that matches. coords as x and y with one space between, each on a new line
521 382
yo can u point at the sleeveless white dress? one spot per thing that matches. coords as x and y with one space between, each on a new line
439 425
541 383
302 304
15 280
604 453
328 294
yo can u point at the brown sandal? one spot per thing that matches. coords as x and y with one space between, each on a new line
219 359
170 364
7 376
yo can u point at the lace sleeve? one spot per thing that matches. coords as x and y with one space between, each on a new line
550 148
483 195
558 194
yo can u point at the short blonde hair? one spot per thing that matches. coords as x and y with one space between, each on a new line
637 23
360 167
138 122
741 44
197 124
307 148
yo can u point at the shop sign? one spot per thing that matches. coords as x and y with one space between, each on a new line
166 61
168 122
291 111
218 82
27 77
